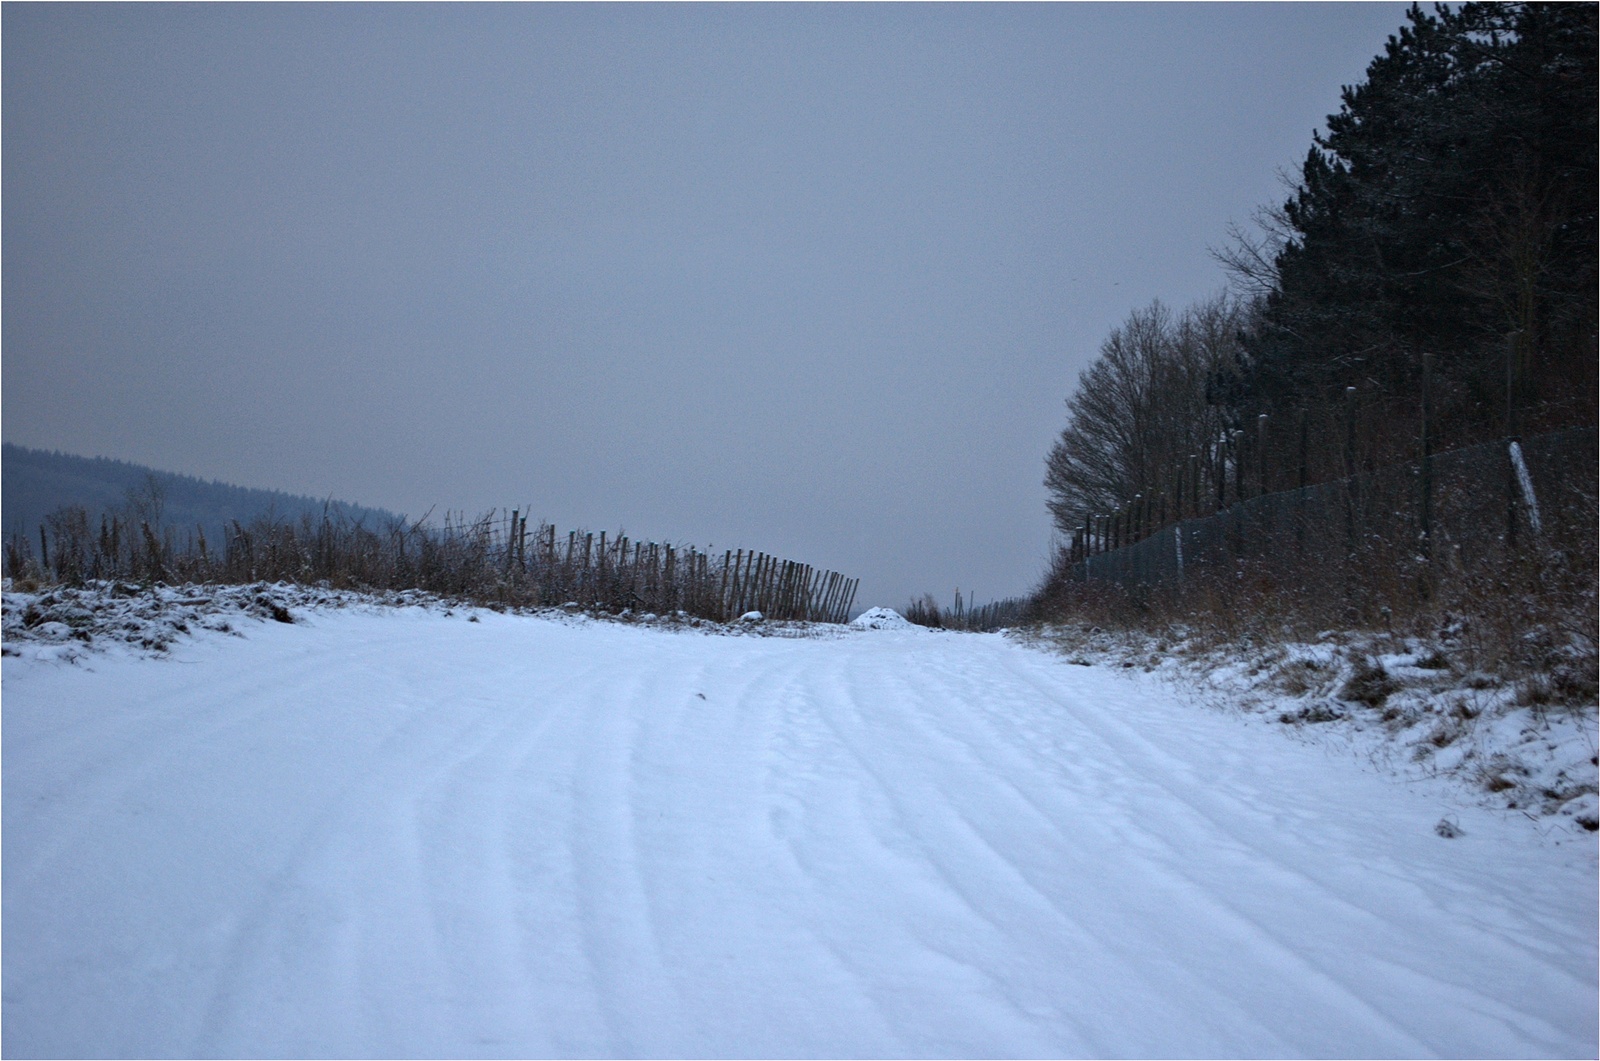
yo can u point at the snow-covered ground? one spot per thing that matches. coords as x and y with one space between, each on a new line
1413 707
396 831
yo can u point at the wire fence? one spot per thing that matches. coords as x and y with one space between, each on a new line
496 559
1370 544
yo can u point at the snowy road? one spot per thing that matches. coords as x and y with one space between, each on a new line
410 835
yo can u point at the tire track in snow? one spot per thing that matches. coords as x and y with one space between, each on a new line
391 909
732 907
1221 813
825 799
1215 907
522 838
988 745
912 828
87 767
1104 937
184 768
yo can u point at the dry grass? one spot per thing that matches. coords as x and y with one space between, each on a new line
494 560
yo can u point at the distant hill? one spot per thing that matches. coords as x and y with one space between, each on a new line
34 483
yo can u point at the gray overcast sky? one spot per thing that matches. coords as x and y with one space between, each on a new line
814 280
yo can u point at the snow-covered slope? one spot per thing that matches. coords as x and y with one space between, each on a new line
411 834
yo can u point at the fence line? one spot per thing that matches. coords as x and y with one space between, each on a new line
1401 530
1331 441
493 558
966 614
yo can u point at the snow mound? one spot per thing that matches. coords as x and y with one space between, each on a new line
881 619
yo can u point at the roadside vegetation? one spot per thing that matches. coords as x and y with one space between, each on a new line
1343 439
1356 492
495 560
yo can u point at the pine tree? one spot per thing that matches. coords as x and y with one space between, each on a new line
1450 204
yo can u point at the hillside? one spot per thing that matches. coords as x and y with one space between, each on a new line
34 483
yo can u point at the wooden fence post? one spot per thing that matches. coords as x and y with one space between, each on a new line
670 580
1194 485
1513 381
1350 503
1425 478
747 584
1305 449
1261 454
1220 462
1238 465
1300 480
1512 435
722 588
1350 433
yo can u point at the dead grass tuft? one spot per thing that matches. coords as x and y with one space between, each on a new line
1369 684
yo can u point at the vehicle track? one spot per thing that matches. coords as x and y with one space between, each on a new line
407 834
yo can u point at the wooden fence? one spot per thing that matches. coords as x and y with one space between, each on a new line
496 558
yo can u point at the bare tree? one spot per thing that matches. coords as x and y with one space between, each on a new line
1143 409
147 503
1250 256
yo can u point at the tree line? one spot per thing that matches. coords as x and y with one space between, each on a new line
1430 283
39 482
